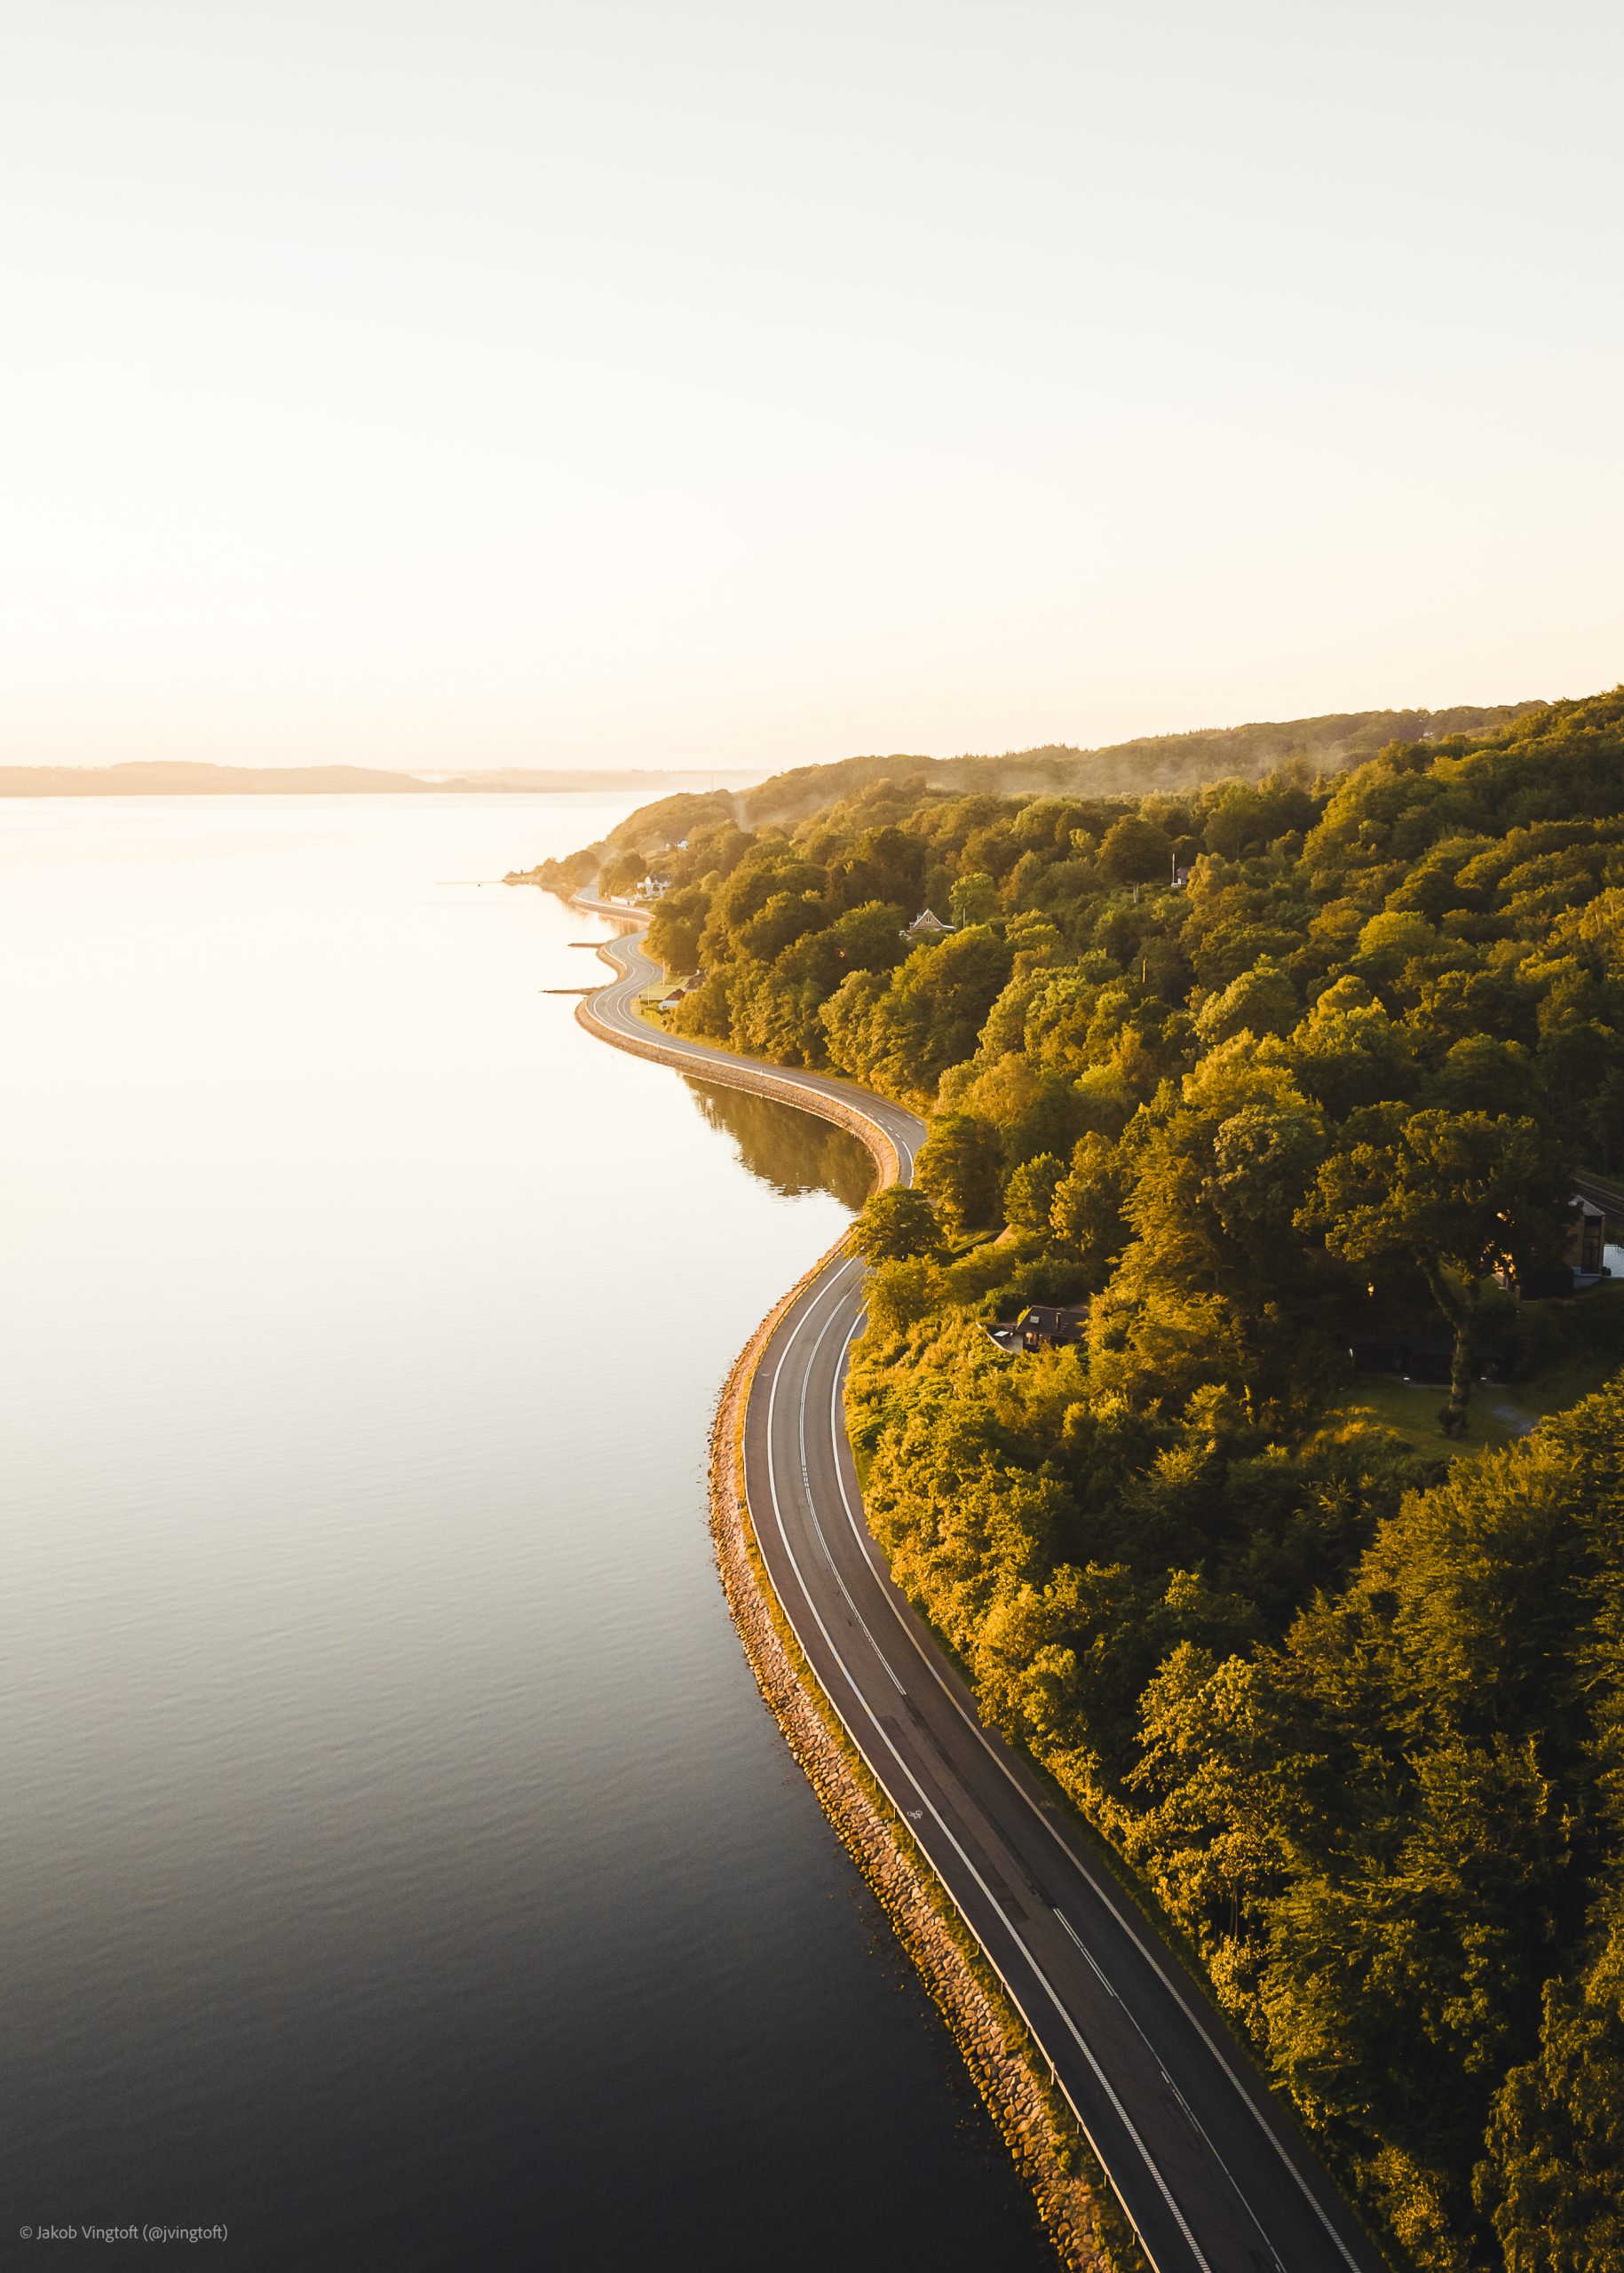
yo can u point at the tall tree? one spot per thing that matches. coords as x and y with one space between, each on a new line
897 1226
959 1168
1456 1194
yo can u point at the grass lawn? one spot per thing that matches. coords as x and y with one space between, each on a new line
1500 1411
1410 1409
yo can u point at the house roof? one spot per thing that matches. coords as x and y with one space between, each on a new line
1049 1317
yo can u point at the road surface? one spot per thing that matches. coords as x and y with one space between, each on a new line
1206 2161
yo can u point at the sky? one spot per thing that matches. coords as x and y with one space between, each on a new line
687 382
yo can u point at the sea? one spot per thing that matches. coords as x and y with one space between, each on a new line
399 1867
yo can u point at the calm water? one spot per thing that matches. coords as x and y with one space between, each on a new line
399 1865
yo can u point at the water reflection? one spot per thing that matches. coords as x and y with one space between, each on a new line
400 1866
791 1151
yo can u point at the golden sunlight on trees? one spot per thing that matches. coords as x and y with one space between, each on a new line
1454 1194
897 1225
1345 1687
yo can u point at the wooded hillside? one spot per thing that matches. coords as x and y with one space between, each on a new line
1257 1077
1153 762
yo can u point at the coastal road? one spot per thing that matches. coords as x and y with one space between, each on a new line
1205 2159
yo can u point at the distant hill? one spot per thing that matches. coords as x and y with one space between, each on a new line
1154 761
620 777
177 778
183 778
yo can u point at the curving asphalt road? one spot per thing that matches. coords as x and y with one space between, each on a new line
1207 2162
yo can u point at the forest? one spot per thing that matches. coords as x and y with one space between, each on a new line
1281 1085
1326 744
1329 744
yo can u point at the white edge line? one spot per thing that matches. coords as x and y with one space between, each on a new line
1039 1975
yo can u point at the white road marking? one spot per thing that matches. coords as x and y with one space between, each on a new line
811 1506
809 1304
1089 1958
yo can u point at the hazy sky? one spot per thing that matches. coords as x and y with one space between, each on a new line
463 382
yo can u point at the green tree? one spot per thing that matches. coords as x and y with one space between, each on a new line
897 1225
1086 1213
1392 939
905 1034
1029 1197
1263 1158
785 918
673 935
1136 852
1454 1195
620 873
1348 1052
1033 1111
975 899
899 1295
1484 1074
1261 1001
960 1167
1551 2179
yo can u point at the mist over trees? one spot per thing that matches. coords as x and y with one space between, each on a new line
1155 761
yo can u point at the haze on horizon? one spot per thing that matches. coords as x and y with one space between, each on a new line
727 385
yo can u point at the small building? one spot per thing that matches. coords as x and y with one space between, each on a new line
1048 1326
1586 1238
1043 1326
1582 1264
926 925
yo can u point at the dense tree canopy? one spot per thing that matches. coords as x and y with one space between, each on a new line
897 1225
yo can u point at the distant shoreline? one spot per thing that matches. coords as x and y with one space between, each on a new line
184 779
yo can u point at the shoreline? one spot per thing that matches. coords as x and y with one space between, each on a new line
1074 2205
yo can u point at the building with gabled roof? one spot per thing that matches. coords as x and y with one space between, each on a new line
928 925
